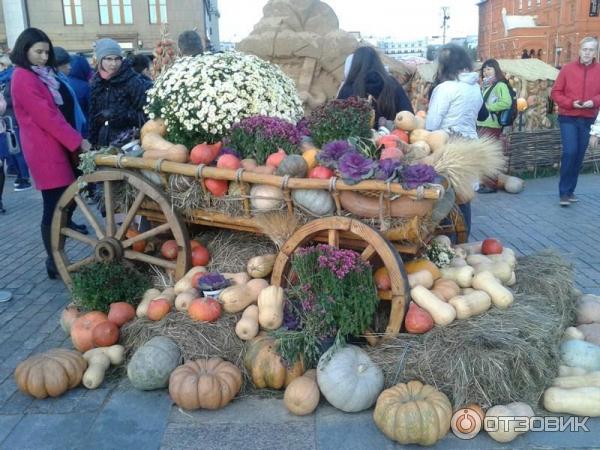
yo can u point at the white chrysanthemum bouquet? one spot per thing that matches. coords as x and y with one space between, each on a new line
201 97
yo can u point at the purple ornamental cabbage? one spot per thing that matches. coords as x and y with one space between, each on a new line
213 281
418 174
331 153
387 169
355 167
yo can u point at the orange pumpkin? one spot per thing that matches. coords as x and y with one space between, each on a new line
158 309
169 249
82 329
382 279
275 159
120 313
139 246
200 256
401 134
228 161
205 309
521 104
320 172
204 153
105 334
218 188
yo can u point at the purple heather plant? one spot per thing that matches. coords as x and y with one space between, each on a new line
330 154
418 174
213 281
387 169
355 167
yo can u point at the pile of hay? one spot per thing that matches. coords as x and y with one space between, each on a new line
500 356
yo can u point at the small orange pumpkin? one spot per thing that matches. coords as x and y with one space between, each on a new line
120 313
205 309
139 246
82 330
158 308
105 334
218 188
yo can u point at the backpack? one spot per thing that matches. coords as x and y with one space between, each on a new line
506 117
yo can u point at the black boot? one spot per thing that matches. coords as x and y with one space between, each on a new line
50 266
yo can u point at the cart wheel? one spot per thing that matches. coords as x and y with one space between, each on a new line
373 244
110 242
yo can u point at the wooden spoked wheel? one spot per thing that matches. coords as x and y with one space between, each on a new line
351 233
108 240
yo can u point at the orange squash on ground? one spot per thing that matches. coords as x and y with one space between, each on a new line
105 334
82 329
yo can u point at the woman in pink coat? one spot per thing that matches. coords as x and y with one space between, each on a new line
43 107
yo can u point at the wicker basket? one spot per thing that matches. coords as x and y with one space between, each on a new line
528 151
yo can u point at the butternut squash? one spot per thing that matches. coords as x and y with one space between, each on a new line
185 284
417 265
441 312
458 261
270 307
472 248
567 371
437 139
183 300
236 298
512 280
420 278
581 401
445 289
149 295
470 305
153 126
500 270
463 276
157 147
591 379
475 259
261 266
256 285
501 297
573 333
247 326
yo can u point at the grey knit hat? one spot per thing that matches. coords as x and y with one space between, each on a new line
107 47
61 56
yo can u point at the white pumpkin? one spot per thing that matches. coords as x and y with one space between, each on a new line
348 378
266 198
502 428
316 201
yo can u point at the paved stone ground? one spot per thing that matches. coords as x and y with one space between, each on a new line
118 416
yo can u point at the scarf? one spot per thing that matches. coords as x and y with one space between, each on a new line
488 81
48 77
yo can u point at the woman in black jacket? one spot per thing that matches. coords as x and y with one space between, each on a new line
118 95
368 77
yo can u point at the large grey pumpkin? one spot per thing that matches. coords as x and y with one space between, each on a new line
152 363
316 201
293 165
348 378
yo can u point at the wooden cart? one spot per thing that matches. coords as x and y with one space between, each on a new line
109 240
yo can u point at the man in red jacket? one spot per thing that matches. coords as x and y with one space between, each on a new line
577 93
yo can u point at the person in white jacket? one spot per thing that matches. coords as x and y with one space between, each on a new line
456 96
455 101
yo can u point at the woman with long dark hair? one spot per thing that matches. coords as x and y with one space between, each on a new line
45 109
368 78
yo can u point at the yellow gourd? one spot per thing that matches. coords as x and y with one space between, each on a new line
270 307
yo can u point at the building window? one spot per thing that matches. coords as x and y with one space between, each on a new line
520 4
72 12
115 12
158 11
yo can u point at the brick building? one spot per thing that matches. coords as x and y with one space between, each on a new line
135 24
551 28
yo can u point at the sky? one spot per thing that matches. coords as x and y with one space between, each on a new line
400 19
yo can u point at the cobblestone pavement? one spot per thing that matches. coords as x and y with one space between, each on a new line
118 416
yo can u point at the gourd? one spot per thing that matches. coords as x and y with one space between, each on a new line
437 139
420 278
471 305
590 332
99 360
152 363
588 311
506 426
265 366
405 120
418 135
566 371
501 270
247 326
266 198
237 297
317 202
445 289
148 296
183 300
153 126
413 413
270 307
292 165
365 206
185 284
260 266
82 330
591 379
441 312
348 379
302 395
512 185
417 265
573 333
581 401
256 285
205 383
582 354
51 373
463 276
501 297
417 320
157 147
473 260
512 280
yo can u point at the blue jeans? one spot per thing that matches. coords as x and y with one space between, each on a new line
14 162
465 209
575 136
